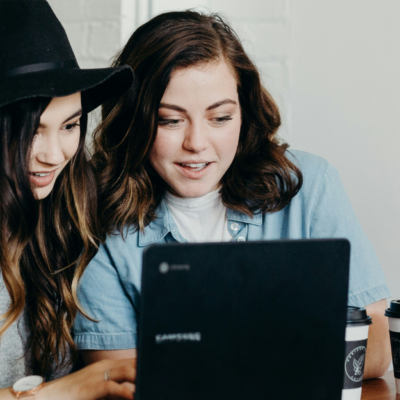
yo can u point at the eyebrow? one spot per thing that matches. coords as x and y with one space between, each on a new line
181 109
76 114
172 107
221 103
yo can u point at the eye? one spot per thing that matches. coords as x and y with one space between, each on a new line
169 122
70 127
222 120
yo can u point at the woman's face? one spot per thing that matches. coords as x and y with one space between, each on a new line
198 129
55 143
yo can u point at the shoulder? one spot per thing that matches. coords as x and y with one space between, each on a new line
320 179
309 164
117 262
119 252
315 170
119 241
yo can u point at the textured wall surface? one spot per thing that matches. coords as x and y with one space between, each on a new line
93 27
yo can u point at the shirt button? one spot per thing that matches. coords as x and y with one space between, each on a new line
241 239
234 226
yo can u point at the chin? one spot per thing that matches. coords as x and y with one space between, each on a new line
42 193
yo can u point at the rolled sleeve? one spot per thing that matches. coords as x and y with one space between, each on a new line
104 298
333 216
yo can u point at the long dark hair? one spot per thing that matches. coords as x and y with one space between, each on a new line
261 177
44 245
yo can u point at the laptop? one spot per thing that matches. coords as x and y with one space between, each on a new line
254 320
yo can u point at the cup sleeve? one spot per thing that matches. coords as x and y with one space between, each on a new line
333 217
105 298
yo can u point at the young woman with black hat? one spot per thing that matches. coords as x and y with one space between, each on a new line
193 156
48 228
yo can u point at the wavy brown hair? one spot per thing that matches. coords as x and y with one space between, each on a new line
260 179
44 245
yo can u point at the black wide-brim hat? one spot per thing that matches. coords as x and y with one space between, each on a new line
36 59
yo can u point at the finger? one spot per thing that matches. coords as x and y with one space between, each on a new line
130 386
123 373
116 391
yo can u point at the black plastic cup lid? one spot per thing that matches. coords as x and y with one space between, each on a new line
357 316
394 310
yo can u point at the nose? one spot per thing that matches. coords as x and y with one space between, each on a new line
49 150
196 138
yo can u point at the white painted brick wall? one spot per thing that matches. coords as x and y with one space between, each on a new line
159 6
93 28
265 40
265 10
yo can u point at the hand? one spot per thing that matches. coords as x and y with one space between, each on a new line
90 384
378 355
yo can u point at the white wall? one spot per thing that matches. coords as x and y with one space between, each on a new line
93 28
334 68
345 106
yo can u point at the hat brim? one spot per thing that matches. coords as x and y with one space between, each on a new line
96 85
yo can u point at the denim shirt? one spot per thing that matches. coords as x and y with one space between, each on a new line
110 287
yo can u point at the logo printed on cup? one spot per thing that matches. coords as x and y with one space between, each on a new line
357 327
354 364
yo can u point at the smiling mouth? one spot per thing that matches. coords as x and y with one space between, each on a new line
41 179
40 174
194 167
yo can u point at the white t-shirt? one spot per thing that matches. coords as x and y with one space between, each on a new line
200 219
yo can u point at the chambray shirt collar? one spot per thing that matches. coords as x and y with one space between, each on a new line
237 216
164 224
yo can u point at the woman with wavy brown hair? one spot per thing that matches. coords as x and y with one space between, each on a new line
192 155
48 229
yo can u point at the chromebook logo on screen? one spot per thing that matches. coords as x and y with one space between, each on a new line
164 268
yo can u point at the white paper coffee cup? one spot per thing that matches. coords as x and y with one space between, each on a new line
356 346
393 312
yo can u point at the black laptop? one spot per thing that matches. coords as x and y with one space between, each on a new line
255 320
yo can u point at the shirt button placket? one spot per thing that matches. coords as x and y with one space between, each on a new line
235 228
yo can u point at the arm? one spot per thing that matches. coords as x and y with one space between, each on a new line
5 394
89 383
334 216
92 356
378 347
112 301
